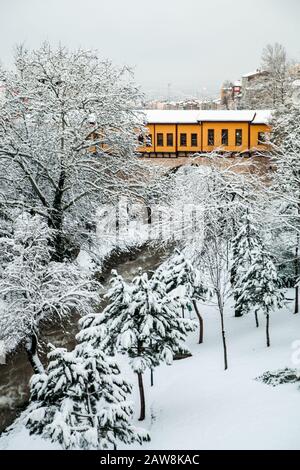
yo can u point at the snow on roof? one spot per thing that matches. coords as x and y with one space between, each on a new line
162 116
252 74
262 116
231 115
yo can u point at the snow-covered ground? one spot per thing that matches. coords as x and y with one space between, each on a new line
195 404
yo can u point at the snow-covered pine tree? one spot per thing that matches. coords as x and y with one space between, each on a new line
259 287
142 322
160 332
244 246
178 272
52 401
104 329
82 401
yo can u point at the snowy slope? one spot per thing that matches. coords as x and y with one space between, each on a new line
195 404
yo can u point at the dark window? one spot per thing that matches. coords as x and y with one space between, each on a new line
262 138
194 140
183 140
170 140
210 137
238 137
160 140
224 136
141 139
149 140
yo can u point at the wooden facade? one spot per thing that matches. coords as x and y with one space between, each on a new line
184 133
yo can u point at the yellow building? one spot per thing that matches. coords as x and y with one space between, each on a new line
172 133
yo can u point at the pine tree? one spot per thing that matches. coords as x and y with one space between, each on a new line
142 322
179 272
244 246
259 287
82 401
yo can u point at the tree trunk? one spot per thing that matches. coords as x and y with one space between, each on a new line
151 377
201 324
296 300
142 396
296 310
149 215
220 305
268 330
237 313
56 220
256 320
182 311
237 310
32 354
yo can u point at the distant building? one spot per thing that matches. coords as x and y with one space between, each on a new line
294 71
253 77
230 95
187 104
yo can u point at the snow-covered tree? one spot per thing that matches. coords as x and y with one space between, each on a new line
215 261
179 272
244 247
286 179
68 135
270 86
82 401
222 190
142 322
259 289
274 61
34 289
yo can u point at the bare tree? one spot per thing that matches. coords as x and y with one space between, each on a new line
274 61
68 135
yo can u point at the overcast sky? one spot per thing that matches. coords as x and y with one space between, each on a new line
192 44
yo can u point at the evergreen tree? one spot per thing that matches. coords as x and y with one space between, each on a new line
179 272
259 287
142 322
244 247
82 401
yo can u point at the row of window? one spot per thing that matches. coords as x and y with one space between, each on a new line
224 137
182 139
194 139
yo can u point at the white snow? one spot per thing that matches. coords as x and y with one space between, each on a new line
252 74
262 116
195 404
158 116
171 116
